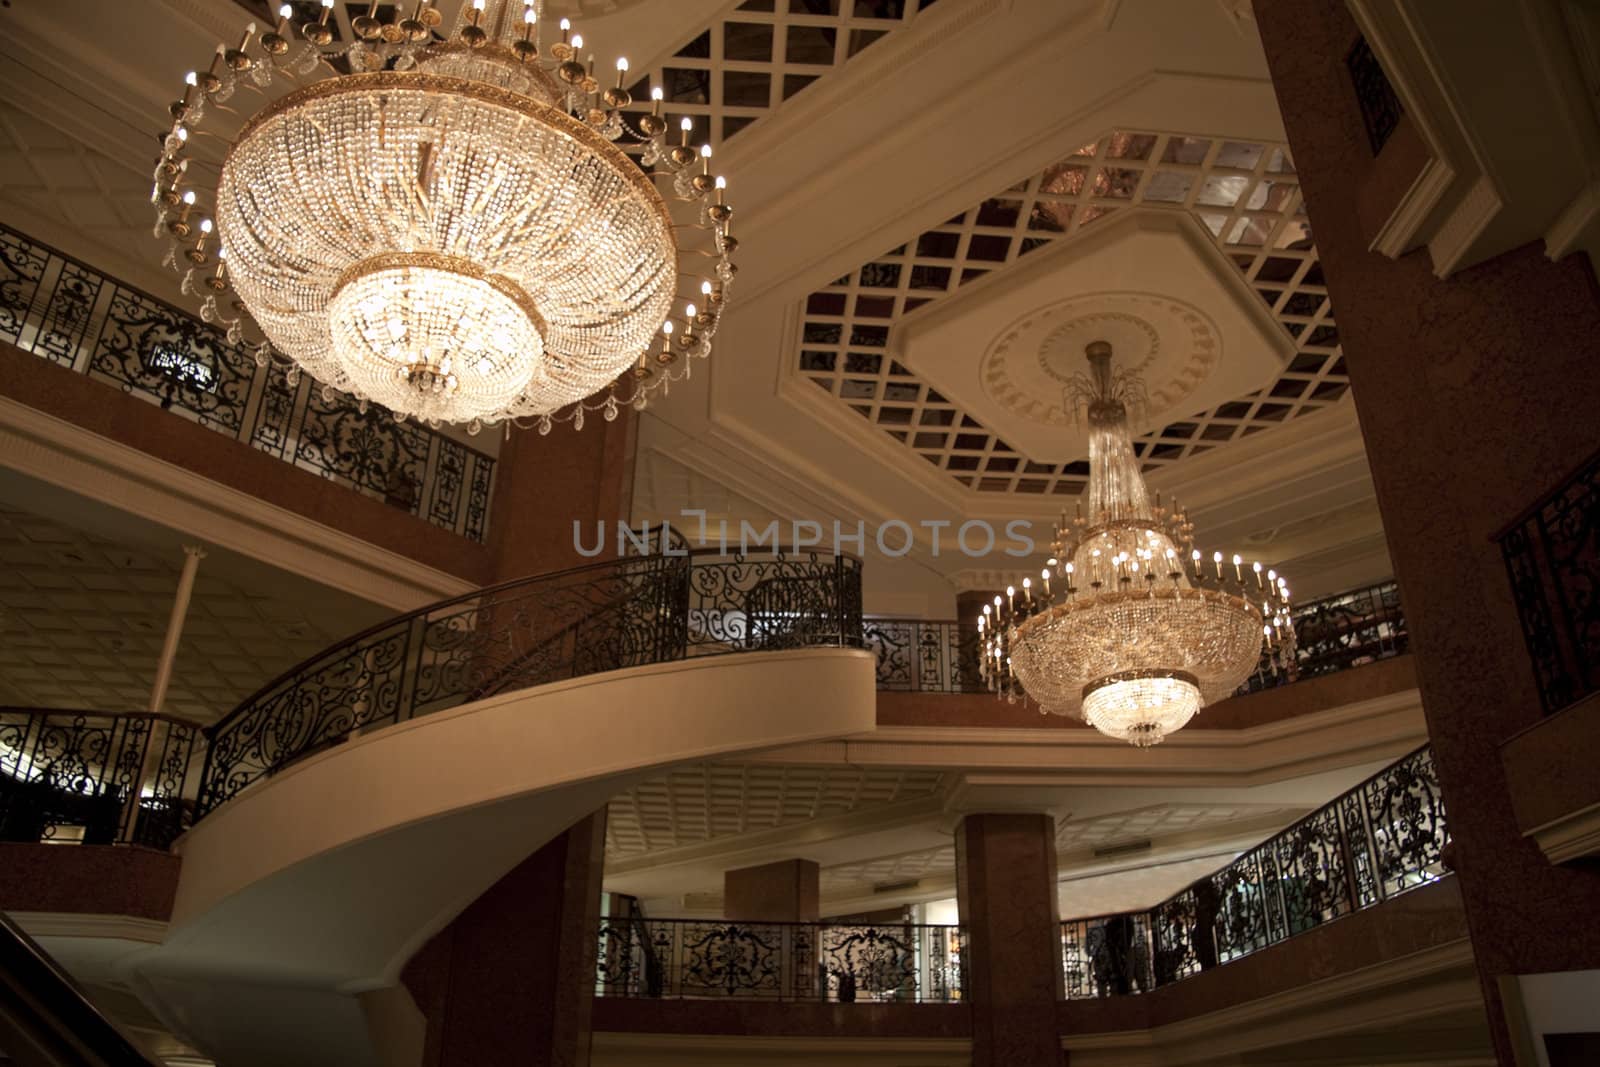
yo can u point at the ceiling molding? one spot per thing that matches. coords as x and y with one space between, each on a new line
1368 731
65 455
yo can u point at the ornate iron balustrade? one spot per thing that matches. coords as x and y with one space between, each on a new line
76 317
1380 839
98 779
1339 632
1336 632
920 656
601 617
840 963
1380 104
1552 555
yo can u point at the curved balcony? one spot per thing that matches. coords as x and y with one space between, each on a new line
530 632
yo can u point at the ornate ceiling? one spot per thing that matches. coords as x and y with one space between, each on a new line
1244 193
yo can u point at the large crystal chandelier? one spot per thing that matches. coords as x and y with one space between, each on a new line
444 223
1131 627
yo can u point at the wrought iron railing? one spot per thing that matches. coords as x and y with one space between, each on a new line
1552 555
94 778
600 617
1380 839
76 317
1339 632
921 656
1336 632
841 963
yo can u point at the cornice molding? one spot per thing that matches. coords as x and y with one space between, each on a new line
37 924
1368 731
743 1047
1573 836
70 457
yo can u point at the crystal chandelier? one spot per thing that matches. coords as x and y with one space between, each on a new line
1131 627
444 224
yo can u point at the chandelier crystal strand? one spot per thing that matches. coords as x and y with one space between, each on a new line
1130 627
441 222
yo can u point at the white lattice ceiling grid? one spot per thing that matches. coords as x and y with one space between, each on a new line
706 801
763 52
731 73
1245 193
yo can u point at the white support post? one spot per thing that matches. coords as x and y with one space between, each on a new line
193 554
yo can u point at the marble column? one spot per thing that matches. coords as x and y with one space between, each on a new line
545 484
1476 393
1006 890
773 892
511 979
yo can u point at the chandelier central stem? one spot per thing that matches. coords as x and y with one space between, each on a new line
1117 491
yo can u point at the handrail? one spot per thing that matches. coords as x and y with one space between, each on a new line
43 1011
1335 632
838 962
114 778
586 619
1376 840
80 318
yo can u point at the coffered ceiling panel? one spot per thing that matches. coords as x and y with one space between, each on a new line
1244 193
761 53
708 801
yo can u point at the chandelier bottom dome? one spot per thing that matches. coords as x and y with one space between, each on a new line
1142 710
409 331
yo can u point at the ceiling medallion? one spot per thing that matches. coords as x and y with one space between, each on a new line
1169 343
444 224
1131 627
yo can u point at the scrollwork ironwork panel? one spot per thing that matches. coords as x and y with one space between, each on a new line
839 963
1552 558
1339 632
151 350
201 376
1380 104
365 448
927 657
1383 837
1108 956
22 265
1405 816
95 778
